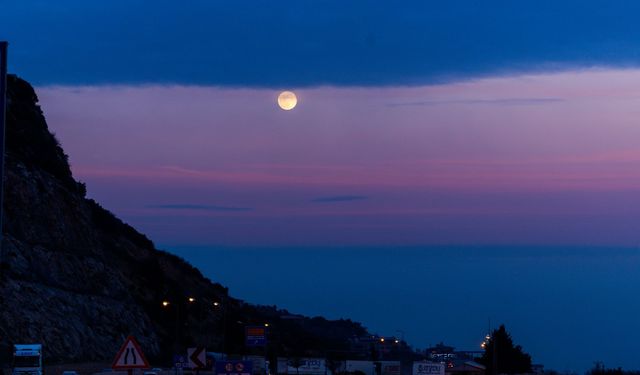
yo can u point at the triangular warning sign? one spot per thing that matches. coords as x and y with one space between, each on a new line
130 356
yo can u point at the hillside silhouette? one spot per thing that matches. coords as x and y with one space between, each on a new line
79 280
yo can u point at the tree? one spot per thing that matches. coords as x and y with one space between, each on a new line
335 361
507 358
296 362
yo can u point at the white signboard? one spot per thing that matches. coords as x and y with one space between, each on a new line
259 363
282 365
367 367
428 368
390 367
308 366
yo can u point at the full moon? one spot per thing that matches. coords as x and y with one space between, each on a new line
287 100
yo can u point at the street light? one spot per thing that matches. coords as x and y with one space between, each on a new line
178 306
181 307
491 340
223 305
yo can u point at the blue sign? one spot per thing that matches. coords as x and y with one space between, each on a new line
255 336
234 368
180 361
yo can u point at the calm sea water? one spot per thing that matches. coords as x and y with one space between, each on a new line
567 307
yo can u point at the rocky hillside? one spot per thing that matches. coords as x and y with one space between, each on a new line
79 280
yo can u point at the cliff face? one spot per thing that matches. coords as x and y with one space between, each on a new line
79 280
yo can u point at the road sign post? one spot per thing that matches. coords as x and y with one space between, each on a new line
3 108
130 357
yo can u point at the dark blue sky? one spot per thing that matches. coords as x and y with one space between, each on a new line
298 43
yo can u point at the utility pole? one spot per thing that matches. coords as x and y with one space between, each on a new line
3 109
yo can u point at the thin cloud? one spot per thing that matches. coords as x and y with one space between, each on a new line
501 102
200 207
340 198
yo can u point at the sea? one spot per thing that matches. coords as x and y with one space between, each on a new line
567 306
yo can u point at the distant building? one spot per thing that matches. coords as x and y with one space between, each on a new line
465 368
302 366
537 369
440 353
377 348
456 362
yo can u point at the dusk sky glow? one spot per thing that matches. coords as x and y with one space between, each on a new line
556 153
513 124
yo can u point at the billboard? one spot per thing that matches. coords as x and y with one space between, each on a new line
390 367
255 336
367 367
428 368
308 366
258 362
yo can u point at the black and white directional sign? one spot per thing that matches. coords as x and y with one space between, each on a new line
130 356
197 357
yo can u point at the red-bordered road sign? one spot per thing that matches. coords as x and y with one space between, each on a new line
130 356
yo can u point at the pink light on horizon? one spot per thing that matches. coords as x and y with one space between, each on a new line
533 135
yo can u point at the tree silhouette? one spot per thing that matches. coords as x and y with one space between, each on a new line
296 362
501 353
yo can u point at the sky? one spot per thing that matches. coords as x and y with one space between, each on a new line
458 123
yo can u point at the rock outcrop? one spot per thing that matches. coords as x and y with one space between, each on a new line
79 280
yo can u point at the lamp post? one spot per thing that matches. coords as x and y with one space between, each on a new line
223 305
488 339
3 106
166 304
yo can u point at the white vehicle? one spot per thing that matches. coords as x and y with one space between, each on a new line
27 359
